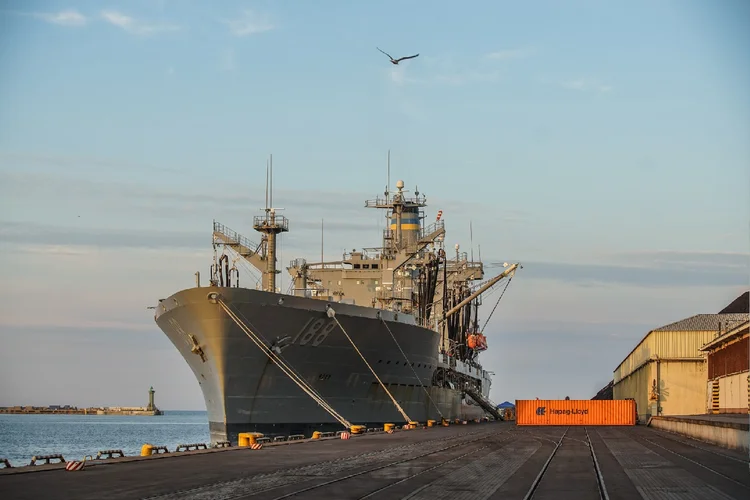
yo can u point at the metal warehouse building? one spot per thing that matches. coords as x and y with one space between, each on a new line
729 371
666 372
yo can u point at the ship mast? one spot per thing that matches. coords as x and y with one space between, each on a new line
270 225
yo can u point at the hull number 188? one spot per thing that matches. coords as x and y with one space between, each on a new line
315 330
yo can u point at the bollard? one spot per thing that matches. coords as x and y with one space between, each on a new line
316 435
146 450
357 429
388 427
248 438
47 458
430 423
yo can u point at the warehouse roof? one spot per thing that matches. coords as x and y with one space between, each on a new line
697 323
704 323
739 305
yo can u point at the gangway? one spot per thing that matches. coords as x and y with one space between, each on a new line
485 403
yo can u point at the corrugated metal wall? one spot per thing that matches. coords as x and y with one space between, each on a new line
640 354
668 345
733 393
730 359
680 344
637 386
683 387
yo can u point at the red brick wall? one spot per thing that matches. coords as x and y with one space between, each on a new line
731 359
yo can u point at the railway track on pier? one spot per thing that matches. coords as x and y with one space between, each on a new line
564 461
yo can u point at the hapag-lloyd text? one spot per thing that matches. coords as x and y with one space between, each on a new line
574 411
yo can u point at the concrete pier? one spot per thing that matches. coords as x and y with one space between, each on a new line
729 430
475 461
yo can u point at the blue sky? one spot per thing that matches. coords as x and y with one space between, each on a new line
603 146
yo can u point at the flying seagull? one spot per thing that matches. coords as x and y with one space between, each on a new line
396 61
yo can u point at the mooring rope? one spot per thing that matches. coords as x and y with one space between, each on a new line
412 368
297 379
332 314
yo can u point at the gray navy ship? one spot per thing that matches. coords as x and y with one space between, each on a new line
385 335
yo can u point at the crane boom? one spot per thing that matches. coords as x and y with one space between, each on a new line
509 271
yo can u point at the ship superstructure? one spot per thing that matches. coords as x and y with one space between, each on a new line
384 334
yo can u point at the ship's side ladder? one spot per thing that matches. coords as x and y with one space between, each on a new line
412 368
332 314
296 378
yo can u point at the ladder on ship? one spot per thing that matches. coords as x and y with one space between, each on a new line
485 403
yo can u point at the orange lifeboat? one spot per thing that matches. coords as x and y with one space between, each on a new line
472 342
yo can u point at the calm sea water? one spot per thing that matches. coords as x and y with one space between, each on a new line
23 436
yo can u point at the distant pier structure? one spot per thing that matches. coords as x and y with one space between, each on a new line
150 410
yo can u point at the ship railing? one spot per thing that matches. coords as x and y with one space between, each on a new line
461 257
232 237
431 229
364 254
297 263
393 294
278 221
317 266
385 202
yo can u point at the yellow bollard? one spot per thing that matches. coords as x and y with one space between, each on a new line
357 429
316 435
247 438
413 425
146 450
388 427
430 423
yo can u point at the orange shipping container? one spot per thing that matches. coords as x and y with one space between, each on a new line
575 412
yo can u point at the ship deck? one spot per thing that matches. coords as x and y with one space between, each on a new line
477 461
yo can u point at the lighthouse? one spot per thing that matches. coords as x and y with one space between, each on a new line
151 406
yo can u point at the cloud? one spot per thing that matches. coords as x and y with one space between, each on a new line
134 26
68 17
442 70
587 85
16 161
397 74
687 260
328 204
462 78
248 23
60 240
724 270
503 55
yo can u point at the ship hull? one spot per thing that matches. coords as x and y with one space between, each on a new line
245 391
